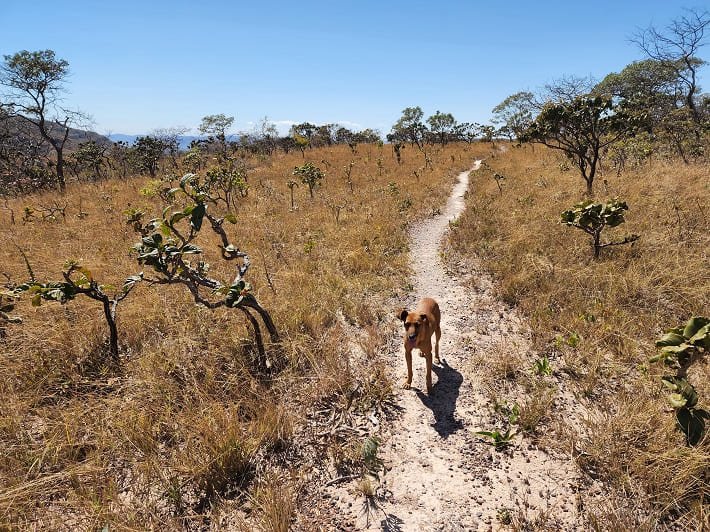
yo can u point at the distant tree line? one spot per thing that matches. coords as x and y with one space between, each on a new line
652 107
439 128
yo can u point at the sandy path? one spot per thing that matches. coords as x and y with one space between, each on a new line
443 476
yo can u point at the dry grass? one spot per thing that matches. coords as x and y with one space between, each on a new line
184 424
597 320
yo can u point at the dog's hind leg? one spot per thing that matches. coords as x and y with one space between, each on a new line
437 332
428 373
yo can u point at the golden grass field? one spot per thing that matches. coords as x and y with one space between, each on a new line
597 320
184 433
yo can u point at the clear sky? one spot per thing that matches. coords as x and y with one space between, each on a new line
141 65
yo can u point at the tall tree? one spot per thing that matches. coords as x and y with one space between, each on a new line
678 46
580 129
170 137
442 126
146 153
651 92
409 128
216 128
514 114
35 83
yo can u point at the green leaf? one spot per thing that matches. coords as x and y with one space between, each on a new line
677 400
701 338
692 422
198 214
670 382
131 281
694 325
659 356
185 179
231 218
190 249
176 217
36 300
670 339
677 349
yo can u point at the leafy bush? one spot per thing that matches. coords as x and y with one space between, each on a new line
592 218
79 280
310 175
680 347
167 247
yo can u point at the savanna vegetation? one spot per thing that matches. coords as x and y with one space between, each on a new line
606 310
172 321
144 386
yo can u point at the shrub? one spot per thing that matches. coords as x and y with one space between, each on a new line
592 218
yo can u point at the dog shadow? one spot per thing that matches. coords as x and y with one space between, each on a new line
442 402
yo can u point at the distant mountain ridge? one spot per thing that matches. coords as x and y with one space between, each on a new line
17 126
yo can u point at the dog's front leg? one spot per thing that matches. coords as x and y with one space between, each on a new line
408 357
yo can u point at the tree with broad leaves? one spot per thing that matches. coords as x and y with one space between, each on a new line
593 218
168 247
78 280
146 154
651 91
580 129
90 155
310 175
36 83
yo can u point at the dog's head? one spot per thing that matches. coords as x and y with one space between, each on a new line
414 324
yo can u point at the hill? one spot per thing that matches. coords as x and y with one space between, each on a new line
13 127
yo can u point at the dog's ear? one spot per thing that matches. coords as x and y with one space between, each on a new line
423 317
402 314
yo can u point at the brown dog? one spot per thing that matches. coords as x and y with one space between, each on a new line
419 326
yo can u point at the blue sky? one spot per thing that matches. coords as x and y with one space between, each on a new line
141 65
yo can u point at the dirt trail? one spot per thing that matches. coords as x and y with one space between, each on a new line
443 476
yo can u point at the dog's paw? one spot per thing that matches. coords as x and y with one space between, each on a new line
406 385
437 360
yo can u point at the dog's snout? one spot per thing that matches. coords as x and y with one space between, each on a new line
412 336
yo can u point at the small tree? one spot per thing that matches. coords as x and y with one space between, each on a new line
592 218
310 175
301 143
580 129
79 280
228 182
168 247
291 184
